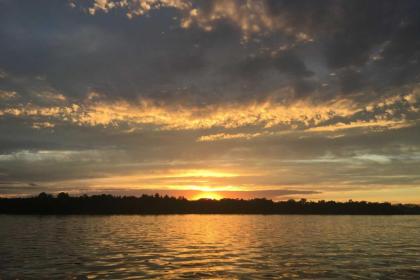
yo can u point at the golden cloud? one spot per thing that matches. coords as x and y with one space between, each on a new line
378 124
8 95
176 117
135 7
224 136
268 117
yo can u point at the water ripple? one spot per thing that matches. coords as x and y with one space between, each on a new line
210 247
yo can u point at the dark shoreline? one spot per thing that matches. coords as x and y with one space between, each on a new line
63 204
200 214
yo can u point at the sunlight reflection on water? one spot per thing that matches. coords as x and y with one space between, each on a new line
210 247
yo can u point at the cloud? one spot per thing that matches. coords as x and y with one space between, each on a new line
8 95
393 112
225 136
295 45
380 124
136 7
251 17
266 114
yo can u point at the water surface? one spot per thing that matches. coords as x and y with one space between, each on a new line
210 247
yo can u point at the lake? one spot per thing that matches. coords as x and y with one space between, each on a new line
210 247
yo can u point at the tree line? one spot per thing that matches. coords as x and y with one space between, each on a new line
63 203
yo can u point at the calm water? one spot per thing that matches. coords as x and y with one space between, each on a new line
210 247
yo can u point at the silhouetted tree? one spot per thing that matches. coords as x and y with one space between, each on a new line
63 195
44 195
155 204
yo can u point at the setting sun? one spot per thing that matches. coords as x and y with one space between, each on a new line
207 195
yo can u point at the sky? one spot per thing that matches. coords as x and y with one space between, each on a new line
211 98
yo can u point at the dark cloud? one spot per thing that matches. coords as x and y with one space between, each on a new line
119 57
125 58
284 62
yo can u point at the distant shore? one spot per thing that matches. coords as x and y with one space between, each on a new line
156 204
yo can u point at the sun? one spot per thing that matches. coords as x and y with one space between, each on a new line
207 195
